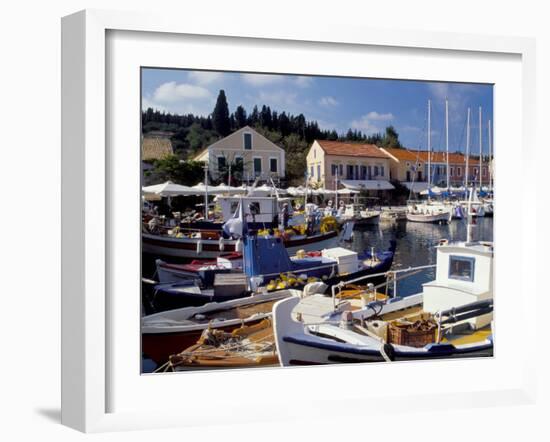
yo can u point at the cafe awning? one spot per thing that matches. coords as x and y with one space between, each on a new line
367 184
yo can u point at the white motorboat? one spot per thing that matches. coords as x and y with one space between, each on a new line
425 212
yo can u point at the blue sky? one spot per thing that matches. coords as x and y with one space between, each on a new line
336 103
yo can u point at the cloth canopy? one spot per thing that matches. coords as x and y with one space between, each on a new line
167 189
368 184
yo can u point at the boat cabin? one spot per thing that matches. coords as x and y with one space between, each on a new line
464 274
257 209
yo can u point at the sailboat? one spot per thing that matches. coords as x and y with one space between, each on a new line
426 212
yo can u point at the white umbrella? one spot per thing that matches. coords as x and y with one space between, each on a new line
167 189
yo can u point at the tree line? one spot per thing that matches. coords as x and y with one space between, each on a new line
190 133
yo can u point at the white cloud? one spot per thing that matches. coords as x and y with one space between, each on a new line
180 98
371 123
262 79
303 82
278 98
204 77
172 92
375 116
328 101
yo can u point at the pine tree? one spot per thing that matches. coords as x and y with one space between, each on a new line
220 115
240 117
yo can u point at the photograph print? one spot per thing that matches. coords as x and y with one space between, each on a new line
295 220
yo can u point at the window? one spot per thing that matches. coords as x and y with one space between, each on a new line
458 171
369 172
375 170
221 164
247 141
333 169
451 171
314 153
350 172
363 172
341 171
475 171
461 268
311 171
484 171
318 171
239 163
382 170
273 165
257 166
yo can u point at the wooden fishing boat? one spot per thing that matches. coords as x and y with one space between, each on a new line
166 333
244 347
210 245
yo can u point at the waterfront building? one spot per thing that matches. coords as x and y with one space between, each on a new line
355 165
407 166
258 157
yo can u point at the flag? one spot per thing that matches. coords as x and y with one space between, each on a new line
236 227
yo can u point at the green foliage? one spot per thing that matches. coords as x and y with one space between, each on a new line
220 116
390 139
171 168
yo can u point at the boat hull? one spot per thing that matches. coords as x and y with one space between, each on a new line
188 248
317 352
428 218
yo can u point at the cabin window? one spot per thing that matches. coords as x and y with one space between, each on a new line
461 268
273 165
254 208
247 141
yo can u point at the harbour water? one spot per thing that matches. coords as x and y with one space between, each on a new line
416 245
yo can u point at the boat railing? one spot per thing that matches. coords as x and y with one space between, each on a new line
391 278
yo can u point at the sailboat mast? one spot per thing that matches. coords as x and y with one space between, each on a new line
468 150
336 189
429 148
447 139
480 150
206 190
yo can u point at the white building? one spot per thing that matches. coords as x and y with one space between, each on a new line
259 156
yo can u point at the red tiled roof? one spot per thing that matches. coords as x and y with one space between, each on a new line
351 149
422 156
401 154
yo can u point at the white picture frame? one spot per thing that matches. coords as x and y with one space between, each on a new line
87 321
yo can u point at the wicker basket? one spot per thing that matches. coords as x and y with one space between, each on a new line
408 334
